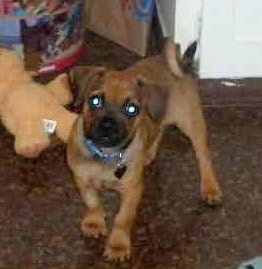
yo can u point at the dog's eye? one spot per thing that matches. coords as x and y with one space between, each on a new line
131 110
96 101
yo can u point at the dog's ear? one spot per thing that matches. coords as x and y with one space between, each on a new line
84 79
154 96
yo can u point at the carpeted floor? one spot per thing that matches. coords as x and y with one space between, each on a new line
40 209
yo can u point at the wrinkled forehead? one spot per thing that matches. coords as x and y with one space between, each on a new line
118 87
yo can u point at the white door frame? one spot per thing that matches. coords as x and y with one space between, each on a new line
180 20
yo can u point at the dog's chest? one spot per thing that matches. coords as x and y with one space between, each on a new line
100 176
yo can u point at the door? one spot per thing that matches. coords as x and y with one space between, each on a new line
231 39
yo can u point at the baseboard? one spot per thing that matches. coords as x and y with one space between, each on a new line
233 93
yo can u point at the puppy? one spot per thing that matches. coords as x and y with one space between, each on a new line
123 118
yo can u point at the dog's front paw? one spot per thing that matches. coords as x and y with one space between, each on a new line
118 247
94 223
210 192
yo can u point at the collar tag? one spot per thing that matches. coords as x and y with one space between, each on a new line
120 171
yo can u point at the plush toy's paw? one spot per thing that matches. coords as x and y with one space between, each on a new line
118 247
31 147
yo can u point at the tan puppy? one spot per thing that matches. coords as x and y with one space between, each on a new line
118 132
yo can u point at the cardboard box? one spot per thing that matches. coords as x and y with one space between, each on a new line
126 22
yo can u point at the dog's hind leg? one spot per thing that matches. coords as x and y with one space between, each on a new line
189 118
93 223
151 153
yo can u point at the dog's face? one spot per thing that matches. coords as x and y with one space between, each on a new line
116 104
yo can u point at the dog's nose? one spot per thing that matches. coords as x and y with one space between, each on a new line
108 132
108 123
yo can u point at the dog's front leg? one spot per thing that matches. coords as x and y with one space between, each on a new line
119 243
93 223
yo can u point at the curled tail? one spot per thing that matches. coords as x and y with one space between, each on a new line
179 65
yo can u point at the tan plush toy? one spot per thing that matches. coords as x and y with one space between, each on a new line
29 110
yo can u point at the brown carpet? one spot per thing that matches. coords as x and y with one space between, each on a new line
40 209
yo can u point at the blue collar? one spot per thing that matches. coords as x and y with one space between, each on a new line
114 157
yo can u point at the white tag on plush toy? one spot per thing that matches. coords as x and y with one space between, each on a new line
49 126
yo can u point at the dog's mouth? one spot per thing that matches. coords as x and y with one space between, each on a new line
108 141
107 133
